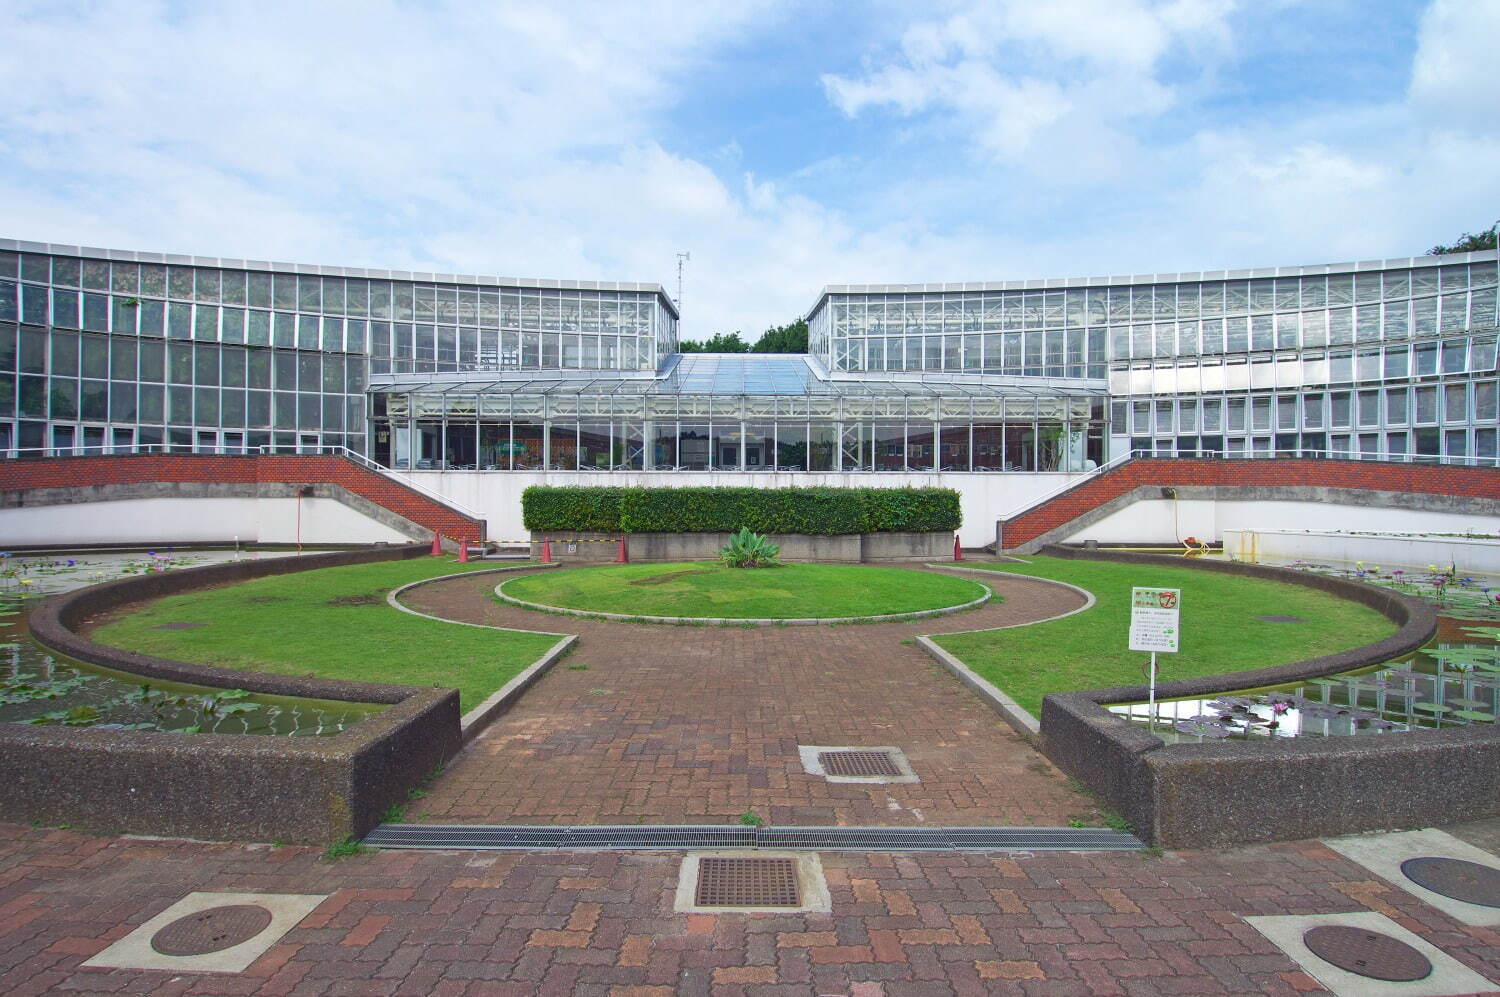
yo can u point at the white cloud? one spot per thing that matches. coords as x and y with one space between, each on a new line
1012 72
527 139
1453 74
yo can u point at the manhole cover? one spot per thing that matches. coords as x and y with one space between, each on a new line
1281 619
211 930
1467 881
1367 953
179 626
747 883
858 763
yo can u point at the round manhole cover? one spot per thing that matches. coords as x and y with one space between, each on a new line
1367 953
211 930
1456 878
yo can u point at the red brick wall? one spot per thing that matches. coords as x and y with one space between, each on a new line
1429 479
74 472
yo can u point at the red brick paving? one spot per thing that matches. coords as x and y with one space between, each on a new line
668 724
475 923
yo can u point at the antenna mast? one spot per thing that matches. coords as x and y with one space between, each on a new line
682 258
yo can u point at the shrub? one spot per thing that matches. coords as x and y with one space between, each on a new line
749 550
816 511
581 509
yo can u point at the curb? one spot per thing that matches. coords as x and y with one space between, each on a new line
1012 712
715 621
473 723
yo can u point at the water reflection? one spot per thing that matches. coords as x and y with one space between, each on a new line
38 687
1445 684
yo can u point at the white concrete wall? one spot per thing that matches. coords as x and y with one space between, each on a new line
1480 557
186 520
984 498
1170 520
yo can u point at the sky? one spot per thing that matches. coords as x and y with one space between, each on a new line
785 146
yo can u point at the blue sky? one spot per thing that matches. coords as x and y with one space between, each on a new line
786 146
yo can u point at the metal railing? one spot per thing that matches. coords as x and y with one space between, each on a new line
188 449
1298 453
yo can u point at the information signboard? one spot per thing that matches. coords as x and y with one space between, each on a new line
1153 619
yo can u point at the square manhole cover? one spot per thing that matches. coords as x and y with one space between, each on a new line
859 763
747 882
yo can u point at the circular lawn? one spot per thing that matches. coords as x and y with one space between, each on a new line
706 590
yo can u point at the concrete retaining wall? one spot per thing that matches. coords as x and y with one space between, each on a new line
1236 792
850 548
221 786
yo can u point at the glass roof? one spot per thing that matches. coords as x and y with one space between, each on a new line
737 374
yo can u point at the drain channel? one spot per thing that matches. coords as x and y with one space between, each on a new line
679 837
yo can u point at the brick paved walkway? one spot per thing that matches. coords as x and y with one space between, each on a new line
664 724
456 923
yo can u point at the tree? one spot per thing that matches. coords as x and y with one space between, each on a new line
721 342
789 338
1471 241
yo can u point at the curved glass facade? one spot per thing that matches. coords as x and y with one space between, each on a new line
1386 359
105 350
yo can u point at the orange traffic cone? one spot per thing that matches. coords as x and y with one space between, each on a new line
437 545
463 552
958 552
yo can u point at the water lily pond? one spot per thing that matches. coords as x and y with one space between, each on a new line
1446 684
1453 681
39 687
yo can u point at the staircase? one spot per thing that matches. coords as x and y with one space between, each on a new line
1058 516
22 482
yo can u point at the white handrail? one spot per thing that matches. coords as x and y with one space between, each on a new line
17 453
1290 454
1049 495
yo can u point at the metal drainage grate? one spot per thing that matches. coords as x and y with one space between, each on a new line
1455 878
211 930
747 883
1281 619
859 763
1367 953
688 836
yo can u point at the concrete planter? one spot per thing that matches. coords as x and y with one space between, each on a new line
1218 794
848 548
309 790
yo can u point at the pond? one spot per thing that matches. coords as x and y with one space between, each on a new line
1452 681
40 687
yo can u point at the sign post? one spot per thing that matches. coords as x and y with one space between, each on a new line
1154 627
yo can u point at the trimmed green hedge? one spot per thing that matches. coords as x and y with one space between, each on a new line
818 511
592 509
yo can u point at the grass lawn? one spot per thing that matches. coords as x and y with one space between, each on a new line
333 623
706 589
1219 630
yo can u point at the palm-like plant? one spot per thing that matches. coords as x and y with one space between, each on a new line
749 550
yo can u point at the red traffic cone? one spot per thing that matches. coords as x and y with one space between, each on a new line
463 552
623 557
437 545
958 552
546 551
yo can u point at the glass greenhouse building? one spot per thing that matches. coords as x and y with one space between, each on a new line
108 350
